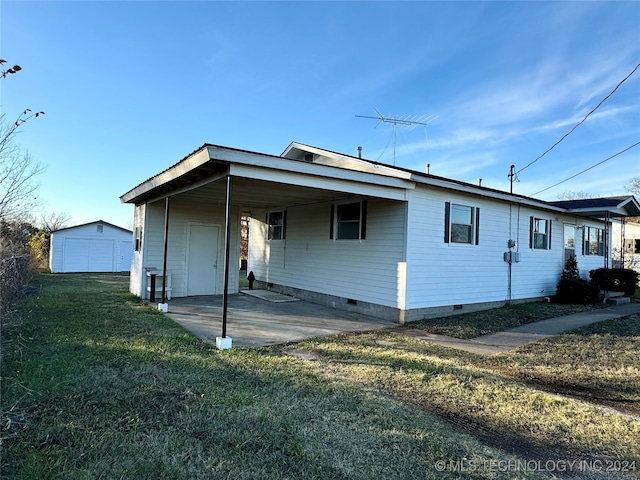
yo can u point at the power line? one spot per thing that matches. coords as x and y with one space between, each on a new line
587 169
580 122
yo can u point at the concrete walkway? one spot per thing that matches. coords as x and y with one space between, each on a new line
531 332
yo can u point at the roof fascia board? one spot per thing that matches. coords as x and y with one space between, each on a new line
302 179
634 203
317 170
193 161
598 212
470 189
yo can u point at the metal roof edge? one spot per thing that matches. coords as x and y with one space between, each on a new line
93 223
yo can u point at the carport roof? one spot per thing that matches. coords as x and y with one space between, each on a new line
211 163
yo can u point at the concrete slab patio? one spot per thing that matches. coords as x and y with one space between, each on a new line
254 321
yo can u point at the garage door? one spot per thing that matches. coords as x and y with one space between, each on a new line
87 255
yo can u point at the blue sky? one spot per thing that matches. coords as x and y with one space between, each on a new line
130 88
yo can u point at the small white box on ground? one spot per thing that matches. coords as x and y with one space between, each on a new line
163 307
223 343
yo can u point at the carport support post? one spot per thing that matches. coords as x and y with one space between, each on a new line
224 342
164 306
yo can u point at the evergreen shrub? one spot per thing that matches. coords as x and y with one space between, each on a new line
616 279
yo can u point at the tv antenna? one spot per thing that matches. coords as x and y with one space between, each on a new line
405 120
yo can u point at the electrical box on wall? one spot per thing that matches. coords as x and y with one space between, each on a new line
511 257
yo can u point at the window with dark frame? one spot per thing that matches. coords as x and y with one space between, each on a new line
540 235
276 225
348 221
594 241
462 224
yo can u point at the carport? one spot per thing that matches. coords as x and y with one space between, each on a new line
190 215
252 321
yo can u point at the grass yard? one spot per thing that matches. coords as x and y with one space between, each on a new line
97 385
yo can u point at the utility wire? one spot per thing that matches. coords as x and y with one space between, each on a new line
580 122
587 169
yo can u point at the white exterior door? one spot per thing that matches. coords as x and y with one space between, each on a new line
125 254
202 263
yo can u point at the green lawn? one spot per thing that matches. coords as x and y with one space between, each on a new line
97 385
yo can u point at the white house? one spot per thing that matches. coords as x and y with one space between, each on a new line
356 234
92 247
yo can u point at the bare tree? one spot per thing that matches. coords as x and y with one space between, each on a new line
634 186
18 170
52 221
17 199
634 189
569 195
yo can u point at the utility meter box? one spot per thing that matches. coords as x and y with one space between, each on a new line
511 257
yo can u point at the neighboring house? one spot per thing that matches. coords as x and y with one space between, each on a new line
626 245
92 247
355 234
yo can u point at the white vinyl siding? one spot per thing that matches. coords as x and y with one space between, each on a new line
309 259
181 214
443 274
440 273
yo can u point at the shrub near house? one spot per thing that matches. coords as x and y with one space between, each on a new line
572 288
616 279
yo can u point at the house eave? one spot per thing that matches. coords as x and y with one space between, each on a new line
254 165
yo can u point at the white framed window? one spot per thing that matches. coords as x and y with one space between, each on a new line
540 234
100 228
348 221
461 224
276 225
593 241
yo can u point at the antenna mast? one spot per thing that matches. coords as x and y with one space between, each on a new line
411 122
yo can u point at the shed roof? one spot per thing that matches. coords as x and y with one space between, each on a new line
101 222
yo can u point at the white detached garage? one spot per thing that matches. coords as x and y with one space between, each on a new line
92 247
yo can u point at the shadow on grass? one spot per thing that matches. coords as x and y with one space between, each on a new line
113 389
